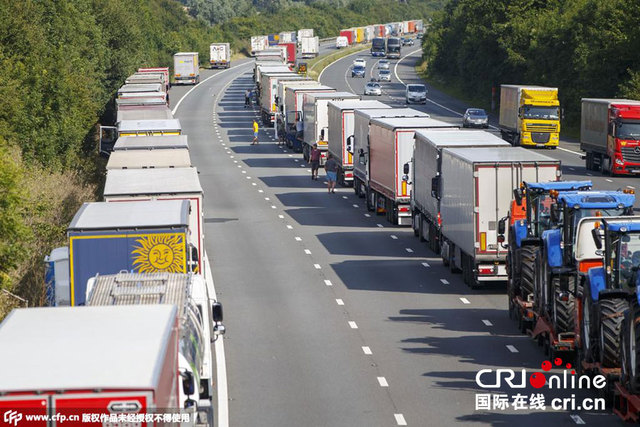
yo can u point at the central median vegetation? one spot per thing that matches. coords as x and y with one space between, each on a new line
586 48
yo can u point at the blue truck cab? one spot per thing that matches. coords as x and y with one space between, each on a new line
107 238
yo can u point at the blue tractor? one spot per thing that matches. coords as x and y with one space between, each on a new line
557 273
528 219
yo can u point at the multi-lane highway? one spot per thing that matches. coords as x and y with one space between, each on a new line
335 317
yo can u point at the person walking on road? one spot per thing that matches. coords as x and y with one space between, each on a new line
314 159
332 171
255 133
247 98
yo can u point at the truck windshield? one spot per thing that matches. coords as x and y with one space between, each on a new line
542 213
628 130
545 113
626 255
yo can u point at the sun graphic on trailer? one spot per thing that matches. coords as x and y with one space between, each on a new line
160 252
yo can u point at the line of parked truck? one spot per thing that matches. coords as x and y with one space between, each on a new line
133 313
568 254
290 42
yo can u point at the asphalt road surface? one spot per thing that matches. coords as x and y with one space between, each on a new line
335 317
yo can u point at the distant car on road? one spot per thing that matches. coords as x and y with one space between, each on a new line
384 75
416 94
407 41
419 36
383 64
373 88
475 117
358 71
359 63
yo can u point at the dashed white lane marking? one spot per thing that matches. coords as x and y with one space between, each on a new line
576 419
327 282
409 250
224 145
266 198
301 166
380 225
248 177
465 301
631 187
253 183
339 301
570 151
285 151
307 251
235 161
289 227
298 239
589 174
426 264
317 266
244 171
344 197
572 169
383 382
487 323
367 350
355 206
296 160
281 216
260 191
240 166
400 419
394 237
353 325
367 215
273 207
444 281
512 349
608 180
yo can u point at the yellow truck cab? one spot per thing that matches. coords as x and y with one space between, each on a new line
530 115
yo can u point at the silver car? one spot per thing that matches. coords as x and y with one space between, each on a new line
383 64
475 117
416 94
384 76
373 88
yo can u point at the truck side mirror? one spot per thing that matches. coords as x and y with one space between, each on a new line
322 134
502 226
520 112
362 159
435 187
350 144
193 254
517 196
405 169
596 238
188 383
216 309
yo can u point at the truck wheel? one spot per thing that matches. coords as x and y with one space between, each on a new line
305 153
356 187
444 253
606 165
516 141
528 255
434 244
611 317
563 315
452 259
589 161
630 358
415 224
370 195
421 226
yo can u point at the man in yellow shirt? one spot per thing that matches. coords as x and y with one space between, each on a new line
255 132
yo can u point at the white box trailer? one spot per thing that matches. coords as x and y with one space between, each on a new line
136 128
220 55
341 129
309 47
293 110
149 159
198 329
139 88
361 122
389 158
268 67
151 112
269 92
69 361
186 68
258 44
315 113
132 100
475 190
148 143
284 84
125 185
427 161
146 78
305 32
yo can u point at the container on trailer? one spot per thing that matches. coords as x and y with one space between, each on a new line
137 128
427 161
285 37
349 34
186 68
609 135
362 120
309 47
282 89
132 100
139 88
290 51
269 67
147 143
149 159
220 55
153 112
359 34
153 70
125 185
294 96
340 135
146 78
127 356
315 114
274 39
305 32
475 190
269 93
389 157
258 44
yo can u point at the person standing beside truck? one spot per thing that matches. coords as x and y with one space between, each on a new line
314 159
331 167
247 98
255 133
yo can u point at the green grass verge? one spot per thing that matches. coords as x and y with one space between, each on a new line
316 65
